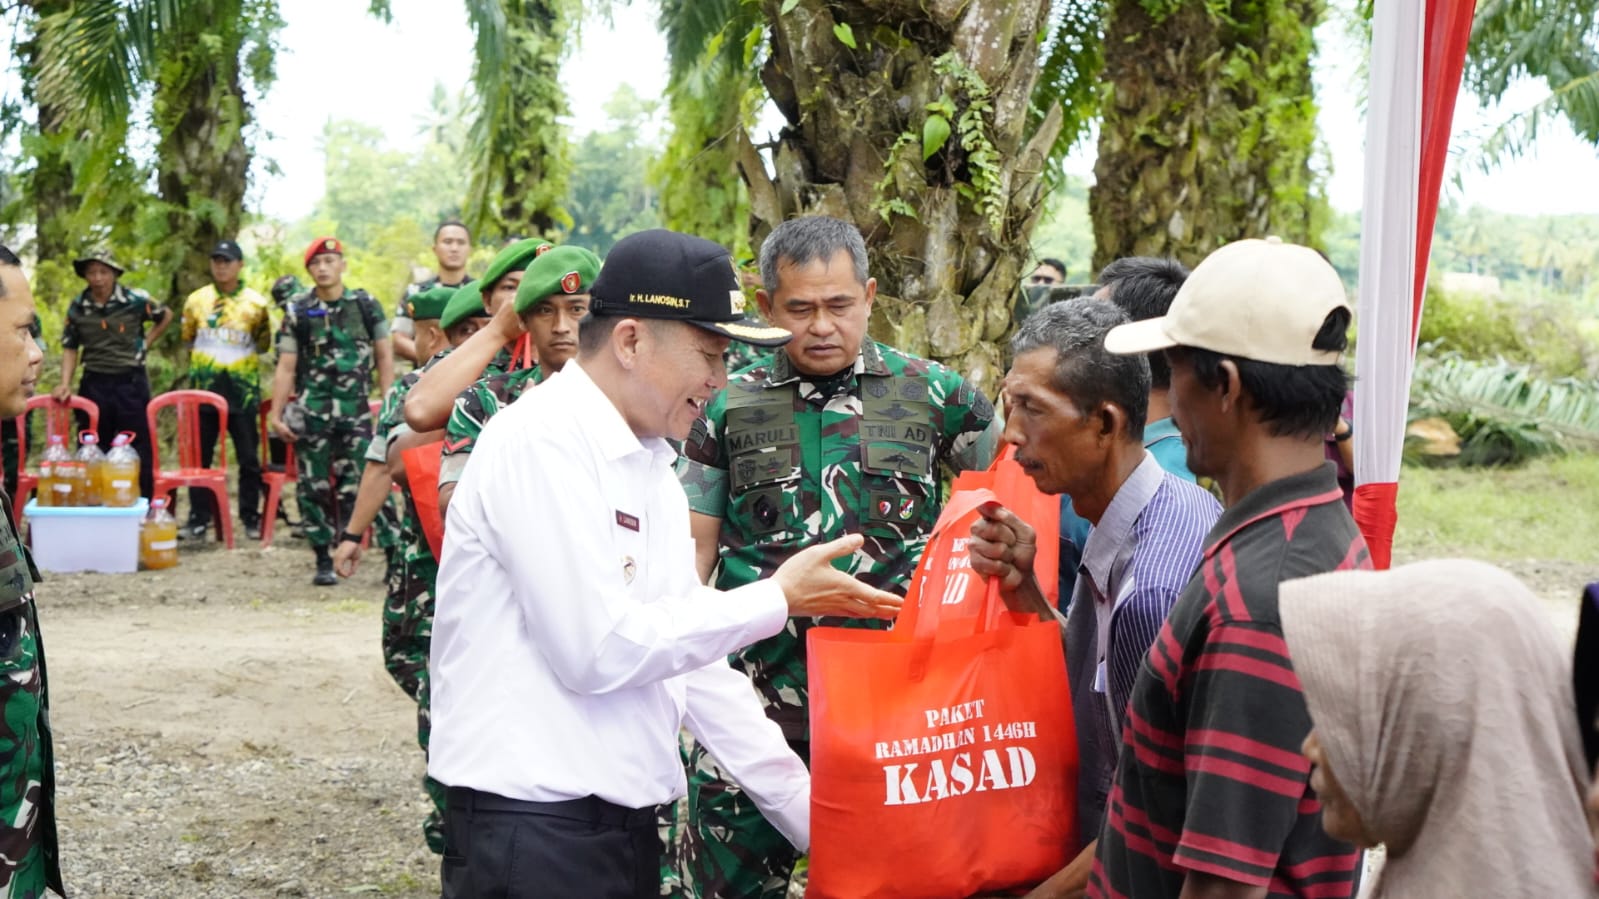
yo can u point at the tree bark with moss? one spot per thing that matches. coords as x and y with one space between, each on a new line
1209 124
518 149
202 116
910 119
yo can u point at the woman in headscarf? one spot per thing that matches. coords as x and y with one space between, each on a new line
1441 705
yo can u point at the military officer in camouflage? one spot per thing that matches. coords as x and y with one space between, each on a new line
29 860
329 342
551 300
408 609
835 434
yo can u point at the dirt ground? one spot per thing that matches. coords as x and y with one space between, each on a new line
224 729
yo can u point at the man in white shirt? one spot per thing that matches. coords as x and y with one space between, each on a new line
572 638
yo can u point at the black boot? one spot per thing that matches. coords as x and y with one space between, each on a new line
324 568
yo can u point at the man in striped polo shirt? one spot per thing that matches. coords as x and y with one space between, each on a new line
1076 415
1211 796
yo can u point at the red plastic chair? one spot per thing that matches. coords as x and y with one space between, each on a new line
58 420
274 480
190 473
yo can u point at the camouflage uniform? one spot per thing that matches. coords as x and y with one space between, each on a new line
408 608
787 462
333 343
474 406
29 860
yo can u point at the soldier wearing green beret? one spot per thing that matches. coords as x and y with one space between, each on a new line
489 352
862 433
408 608
329 343
552 300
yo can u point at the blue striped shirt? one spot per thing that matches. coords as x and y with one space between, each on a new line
1135 563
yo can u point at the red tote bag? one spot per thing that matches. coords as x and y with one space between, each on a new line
1016 491
943 753
422 465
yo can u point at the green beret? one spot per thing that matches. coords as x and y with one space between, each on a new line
465 302
562 270
514 258
429 304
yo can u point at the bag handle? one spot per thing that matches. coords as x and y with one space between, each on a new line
961 504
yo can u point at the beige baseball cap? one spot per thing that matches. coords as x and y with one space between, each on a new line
1254 299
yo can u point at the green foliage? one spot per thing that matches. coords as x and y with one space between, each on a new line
610 197
370 186
1555 41
517 147
1072 59
713 92
1504 413
1065 232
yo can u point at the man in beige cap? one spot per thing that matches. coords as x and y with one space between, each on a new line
1211 796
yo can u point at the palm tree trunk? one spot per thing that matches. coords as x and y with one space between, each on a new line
202 157
51 188
948 234
1208 128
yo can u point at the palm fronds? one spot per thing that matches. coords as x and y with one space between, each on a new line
1503 413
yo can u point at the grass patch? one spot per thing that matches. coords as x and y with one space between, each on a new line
1546 509
348 606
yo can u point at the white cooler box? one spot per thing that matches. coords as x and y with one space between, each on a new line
86 538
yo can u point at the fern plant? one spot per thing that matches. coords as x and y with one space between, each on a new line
1503 413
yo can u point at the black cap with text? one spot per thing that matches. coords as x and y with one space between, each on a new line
227 249
664 274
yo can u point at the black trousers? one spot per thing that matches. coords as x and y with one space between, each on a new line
122 397
498 848
243 431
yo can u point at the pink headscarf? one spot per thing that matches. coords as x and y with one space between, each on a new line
1442 697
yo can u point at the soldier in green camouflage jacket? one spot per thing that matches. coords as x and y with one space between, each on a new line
551 300
29 860
835 434
329 342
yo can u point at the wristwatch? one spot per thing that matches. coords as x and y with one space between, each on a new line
348 537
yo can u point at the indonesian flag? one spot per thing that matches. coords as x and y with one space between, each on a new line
1417 51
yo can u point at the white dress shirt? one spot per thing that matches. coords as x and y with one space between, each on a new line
572 638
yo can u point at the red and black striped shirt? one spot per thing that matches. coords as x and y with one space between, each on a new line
1210 777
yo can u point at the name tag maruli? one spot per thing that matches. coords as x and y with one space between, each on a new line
627 521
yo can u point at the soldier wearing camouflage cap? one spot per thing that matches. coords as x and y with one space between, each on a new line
330 341
552 300
834 434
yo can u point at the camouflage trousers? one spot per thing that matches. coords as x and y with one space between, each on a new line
388 532
728 850
330 456
407 635
24 757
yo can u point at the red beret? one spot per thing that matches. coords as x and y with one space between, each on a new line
323 245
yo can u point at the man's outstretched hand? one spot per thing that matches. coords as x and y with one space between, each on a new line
814 588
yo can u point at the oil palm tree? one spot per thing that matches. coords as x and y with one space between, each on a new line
196 57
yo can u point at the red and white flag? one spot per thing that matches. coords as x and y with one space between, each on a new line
1417 52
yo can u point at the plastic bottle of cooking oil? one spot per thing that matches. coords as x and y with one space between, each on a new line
55 489
93 462
120 486
158 537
